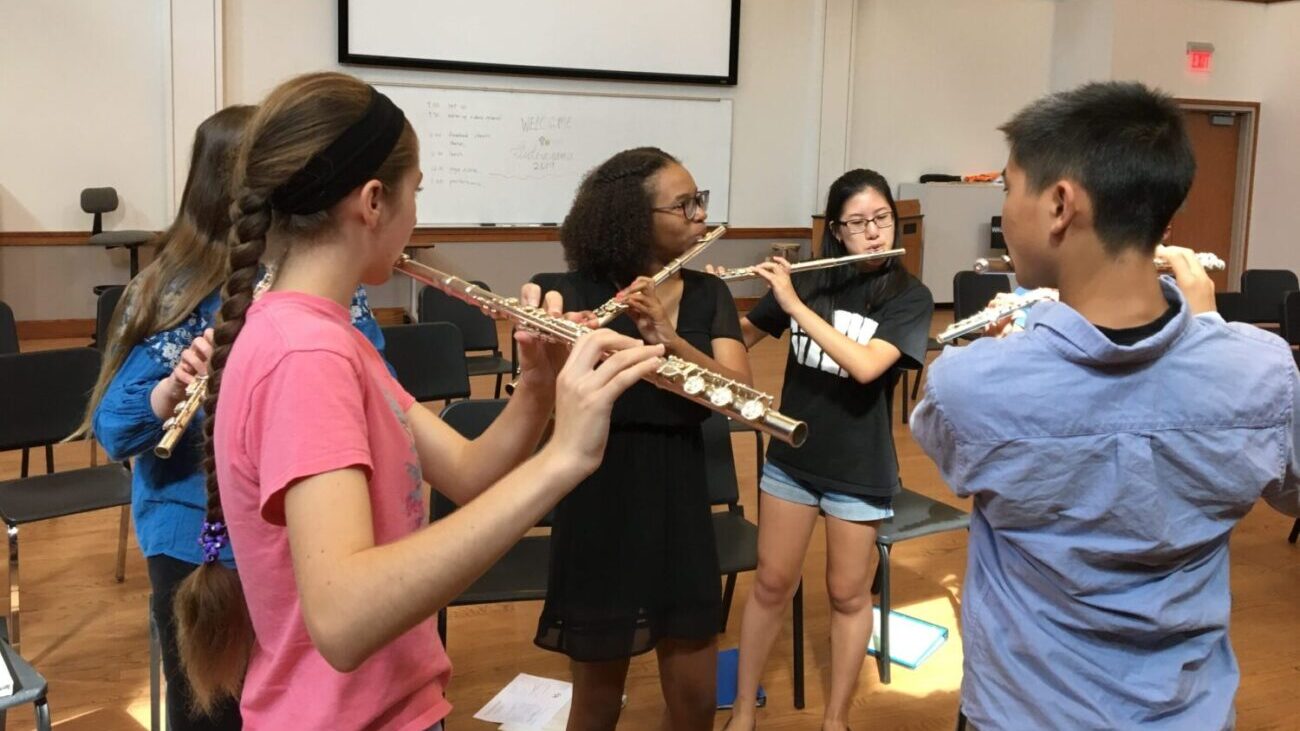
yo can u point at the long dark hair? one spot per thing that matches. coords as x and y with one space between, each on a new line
295 122
191 257
609 231
821 289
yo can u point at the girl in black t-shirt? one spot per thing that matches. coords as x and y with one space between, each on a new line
850 327
633 562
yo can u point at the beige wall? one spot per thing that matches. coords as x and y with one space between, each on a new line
905 86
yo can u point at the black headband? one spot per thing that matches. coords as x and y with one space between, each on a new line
346 162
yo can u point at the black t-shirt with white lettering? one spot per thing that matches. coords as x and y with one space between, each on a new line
850 446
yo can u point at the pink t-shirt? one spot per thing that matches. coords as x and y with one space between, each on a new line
303 393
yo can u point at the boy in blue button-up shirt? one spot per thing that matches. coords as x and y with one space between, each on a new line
1111 447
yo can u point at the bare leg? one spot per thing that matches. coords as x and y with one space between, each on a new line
597 694
784 529
688 673
849 547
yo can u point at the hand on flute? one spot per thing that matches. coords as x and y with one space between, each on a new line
1189 274
192 364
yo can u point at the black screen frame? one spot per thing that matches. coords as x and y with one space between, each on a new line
346 56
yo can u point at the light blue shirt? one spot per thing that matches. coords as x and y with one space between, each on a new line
1106 481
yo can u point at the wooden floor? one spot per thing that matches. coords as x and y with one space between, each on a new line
88 634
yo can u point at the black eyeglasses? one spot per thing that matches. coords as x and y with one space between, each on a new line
883 220
689 207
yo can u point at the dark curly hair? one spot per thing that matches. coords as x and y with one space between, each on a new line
609 229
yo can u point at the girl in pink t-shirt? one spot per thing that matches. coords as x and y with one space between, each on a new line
317 458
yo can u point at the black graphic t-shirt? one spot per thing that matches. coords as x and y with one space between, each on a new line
850 447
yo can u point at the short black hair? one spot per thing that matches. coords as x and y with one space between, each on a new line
1124 143
609 230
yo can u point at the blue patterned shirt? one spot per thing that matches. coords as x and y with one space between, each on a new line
168 496
1106 482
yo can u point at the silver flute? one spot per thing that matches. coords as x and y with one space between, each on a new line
728 397
607 312
992 314
737 275
1209 262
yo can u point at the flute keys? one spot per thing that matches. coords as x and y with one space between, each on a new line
694 386
721 396
752 410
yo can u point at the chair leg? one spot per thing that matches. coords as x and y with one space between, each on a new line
728 593
1295 531
902 397
155 679
442 627
882 657
124 526
94 453
42 714
961 720
49 459
15 639
497 393
798 647
26 463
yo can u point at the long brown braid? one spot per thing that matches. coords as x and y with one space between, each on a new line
296 121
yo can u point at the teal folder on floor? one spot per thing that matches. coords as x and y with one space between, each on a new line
911 640
727 662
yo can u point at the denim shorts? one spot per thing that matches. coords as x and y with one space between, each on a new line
854 508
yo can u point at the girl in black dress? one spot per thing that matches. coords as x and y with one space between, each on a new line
633 561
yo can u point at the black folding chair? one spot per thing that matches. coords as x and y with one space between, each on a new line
1264 290
477 329
45 395
104 306
521 574
8 330
972 292
1291 332
1231 306
429 360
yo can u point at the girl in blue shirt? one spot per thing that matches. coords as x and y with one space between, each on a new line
157 346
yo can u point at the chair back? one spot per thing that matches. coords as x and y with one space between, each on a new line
1231 306
1264 289
720 462
429 359
104 307
972 291
478 330
45 394
1291 317
8 330
470 419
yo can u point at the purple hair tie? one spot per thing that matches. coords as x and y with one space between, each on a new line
213 538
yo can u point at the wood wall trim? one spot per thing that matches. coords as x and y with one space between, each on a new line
45 329
44 238
427 236
423 236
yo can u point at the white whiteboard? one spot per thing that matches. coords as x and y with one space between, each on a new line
514 157
692 40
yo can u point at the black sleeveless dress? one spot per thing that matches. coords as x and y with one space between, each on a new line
633 558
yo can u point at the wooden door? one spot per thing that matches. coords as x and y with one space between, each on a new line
1204 223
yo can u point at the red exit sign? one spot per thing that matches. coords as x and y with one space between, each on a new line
1199 57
